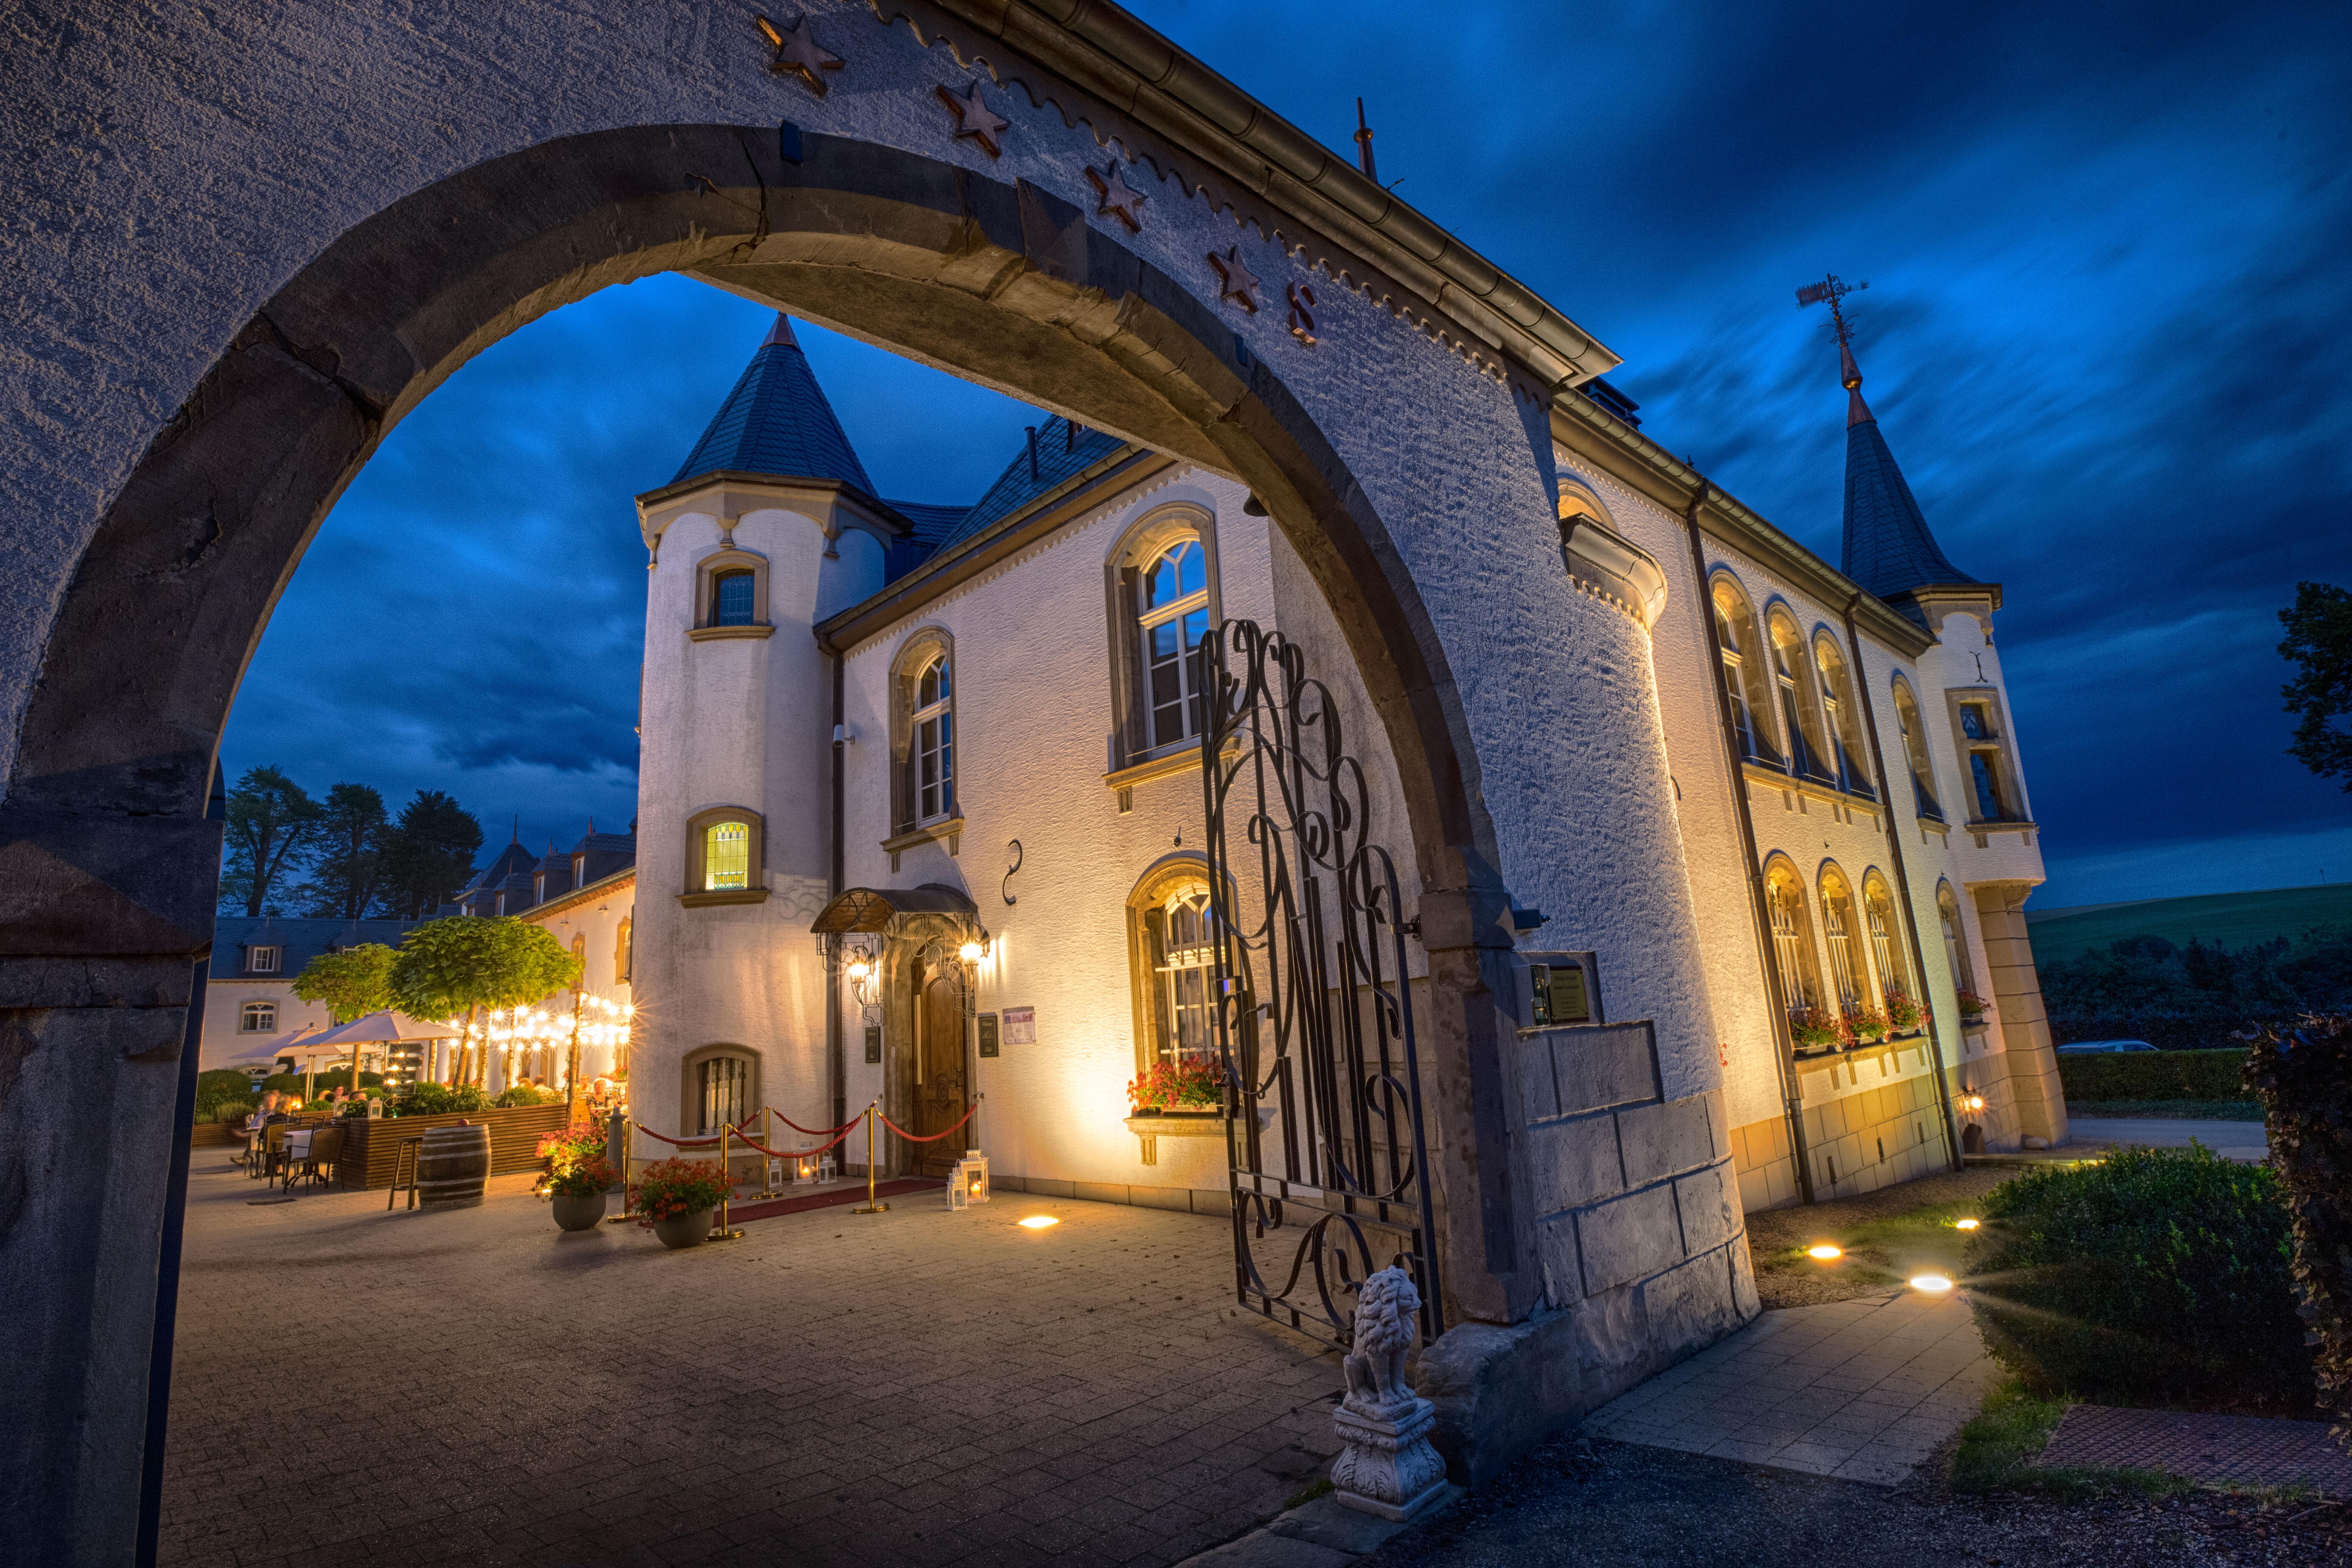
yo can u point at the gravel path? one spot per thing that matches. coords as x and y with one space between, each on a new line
1597 1504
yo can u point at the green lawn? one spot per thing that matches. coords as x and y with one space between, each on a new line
2233 920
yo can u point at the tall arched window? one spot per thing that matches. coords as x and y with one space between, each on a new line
1844 718
733 597
1171 935
1792 938
1744 672
1885 936
1172 618
1848 969
1915 751
726 858
622 956
934 724
721 1088
1793 671
580 955
1956 940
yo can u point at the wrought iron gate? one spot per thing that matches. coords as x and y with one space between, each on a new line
1314 1015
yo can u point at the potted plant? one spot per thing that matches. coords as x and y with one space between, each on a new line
676 1198
1865 1024
1815 1028
576 1192
1904 1015
1972 1010
1195 1087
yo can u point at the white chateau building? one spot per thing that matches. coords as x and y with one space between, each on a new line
930 732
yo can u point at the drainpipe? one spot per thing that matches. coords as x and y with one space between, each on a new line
835 1063
1784 1044
1902 877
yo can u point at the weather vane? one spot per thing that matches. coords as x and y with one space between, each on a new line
1832 291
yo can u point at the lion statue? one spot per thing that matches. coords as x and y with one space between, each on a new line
1386 1306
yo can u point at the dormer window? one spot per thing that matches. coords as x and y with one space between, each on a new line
264 960
732 598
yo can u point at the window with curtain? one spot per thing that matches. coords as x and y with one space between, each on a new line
731 598
1173 616
725 856
723 1091
257 1018
1793 947
1914 751
933 742
1886 935
1847 970
1183 963
1743 671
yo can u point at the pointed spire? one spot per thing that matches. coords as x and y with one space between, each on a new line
1888 549
777 420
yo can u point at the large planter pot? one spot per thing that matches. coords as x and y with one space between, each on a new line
452 1163
685 1230
578 1212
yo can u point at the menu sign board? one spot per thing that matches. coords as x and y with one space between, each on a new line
1021 1025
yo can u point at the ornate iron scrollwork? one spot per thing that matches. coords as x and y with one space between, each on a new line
1314 1021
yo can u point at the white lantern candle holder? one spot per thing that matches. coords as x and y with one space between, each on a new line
967 1184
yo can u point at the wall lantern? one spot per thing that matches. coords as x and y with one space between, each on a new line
971 952
1974 1102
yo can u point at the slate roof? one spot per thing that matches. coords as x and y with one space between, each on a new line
1061 454
932 523
1888 550
303 940
777 420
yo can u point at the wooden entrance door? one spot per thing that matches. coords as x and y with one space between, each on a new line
940 1101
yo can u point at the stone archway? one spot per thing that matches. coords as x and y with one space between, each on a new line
311 273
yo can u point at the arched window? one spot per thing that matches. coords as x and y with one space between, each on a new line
622 955
733 597
1915 751
1848 972
721 1089
1792 937
1885 937
1844 718
257 1018
726 857
1744 673
1956 942
1172 618
1171 937
579 956
1800 716
933 726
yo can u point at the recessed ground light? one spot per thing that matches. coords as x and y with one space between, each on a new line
1038 1222
1931 1284
1824 1251
1966 1224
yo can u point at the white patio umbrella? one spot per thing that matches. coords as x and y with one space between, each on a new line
380 1028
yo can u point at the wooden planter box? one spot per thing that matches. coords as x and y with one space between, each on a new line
372 1148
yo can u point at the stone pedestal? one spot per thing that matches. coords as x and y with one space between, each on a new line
1388 1467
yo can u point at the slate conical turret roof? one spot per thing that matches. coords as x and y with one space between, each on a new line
777 420
1888 550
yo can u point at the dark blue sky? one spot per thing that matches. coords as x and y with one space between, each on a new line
2108 335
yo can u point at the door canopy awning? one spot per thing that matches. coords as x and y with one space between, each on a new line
872 909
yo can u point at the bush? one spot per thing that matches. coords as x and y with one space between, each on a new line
2305 1077
2159 1274
224 1094
2155 1075
524 1094
440 1099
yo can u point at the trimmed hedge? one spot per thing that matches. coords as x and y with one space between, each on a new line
2158 1276
2305 1078
2156 1075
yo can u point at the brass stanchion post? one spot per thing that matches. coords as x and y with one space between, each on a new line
722 1232
870 1205
628 1157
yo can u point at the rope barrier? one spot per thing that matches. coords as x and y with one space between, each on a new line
933 1138
813 1131
748 1142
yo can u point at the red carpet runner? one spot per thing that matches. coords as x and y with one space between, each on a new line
846 1193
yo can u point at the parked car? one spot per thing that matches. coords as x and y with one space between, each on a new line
2092 1047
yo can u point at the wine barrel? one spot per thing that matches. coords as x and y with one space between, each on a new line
451 1166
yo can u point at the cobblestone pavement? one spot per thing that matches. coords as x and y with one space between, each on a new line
1861 1390
920 1387
2243 1450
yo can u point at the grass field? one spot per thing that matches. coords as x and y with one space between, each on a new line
2233 920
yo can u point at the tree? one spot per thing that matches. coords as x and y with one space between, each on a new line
429 856
270 824
352 982
348 873
2319 644
458 966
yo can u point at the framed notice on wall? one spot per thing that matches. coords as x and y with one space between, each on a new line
873 1042
988 1033
1021 1025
